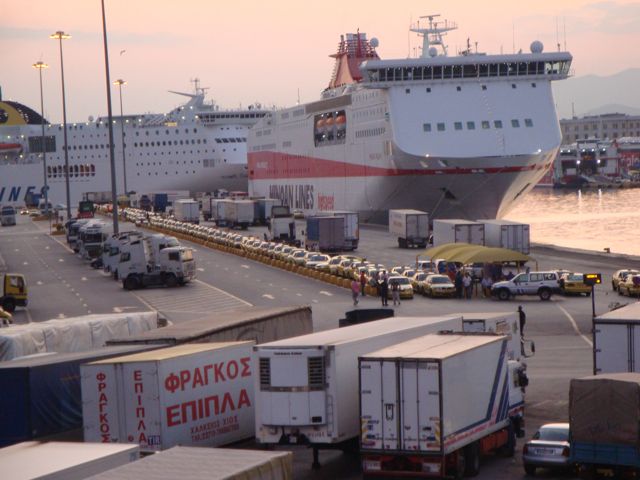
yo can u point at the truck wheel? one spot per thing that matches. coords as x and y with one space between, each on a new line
504 294
545 294
130 283
9 305
170 280
472 460
460 466
530 470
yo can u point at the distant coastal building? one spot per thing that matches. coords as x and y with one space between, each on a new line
608 126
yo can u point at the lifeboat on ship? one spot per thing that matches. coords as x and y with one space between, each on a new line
13 148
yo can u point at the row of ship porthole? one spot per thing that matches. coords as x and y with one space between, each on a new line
82 170
471 125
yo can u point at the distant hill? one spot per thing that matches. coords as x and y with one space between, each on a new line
594 95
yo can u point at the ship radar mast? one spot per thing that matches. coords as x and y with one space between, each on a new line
433 35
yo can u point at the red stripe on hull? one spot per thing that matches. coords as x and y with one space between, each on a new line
273 165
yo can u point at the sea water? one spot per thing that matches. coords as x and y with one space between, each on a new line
587 219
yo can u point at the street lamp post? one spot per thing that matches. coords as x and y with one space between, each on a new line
59 35
120 83
114 197
41 66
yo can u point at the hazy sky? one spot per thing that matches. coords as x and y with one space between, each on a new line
249 51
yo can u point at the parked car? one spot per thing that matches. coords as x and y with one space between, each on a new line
406 290
416 281
314 259
438 286
549 448
621 276
630 286
573 284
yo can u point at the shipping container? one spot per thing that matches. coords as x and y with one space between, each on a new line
41 394
63 460
197 394
258 324
410 226
187 210
307 387
506 234
427 401
616 340
457 231
325 234
193 463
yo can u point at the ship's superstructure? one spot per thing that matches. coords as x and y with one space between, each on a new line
462 136
197 147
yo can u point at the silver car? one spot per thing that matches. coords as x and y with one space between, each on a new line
549 448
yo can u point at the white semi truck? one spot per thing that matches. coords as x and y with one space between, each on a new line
145 263
111 250
433 406
91 237
307 386
616 341
410 226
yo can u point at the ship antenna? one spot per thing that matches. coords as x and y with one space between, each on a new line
433 34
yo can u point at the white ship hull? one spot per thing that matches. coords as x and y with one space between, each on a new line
462 137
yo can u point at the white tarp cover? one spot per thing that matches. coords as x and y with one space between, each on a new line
76 334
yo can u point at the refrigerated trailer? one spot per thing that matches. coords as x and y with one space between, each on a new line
506 234
432 406
307 387
457 231
193 394
616 341
410 226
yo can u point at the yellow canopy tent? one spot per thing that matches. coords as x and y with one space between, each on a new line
488 255
447 248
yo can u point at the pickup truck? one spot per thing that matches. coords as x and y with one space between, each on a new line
543 284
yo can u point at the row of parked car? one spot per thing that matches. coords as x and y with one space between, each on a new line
626 282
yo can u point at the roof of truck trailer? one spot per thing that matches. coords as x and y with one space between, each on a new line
629 313
435 346
361 331
172 352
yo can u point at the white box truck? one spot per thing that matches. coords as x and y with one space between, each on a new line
616 341
191 463
63 460
192 394
432 406
187 210
325 234
307 386
506 234
410 226
457 230
236 213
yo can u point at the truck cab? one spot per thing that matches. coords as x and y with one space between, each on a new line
91 238
140 267
14 292
111 250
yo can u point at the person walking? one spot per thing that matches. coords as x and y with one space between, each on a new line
383 284
355 291
523 320
486 285
467 283
458 284
363 283
395 293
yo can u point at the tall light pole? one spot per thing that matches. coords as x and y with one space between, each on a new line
41 66
114 196
59 35
120 83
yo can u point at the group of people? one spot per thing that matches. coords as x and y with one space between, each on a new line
383 287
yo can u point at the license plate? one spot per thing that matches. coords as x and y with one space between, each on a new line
545 451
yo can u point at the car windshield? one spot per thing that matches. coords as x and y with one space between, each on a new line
440 280
575 277
400 280
316 258
552 434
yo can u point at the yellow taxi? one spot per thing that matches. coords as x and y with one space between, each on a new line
416 281
631 286
438 286
404 286
573 284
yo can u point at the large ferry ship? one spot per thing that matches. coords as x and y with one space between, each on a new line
457 136
196 147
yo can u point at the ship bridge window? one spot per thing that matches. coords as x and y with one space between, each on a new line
515 123
497 123
457 125
528 122
471 125
426 127
485 125
441 127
